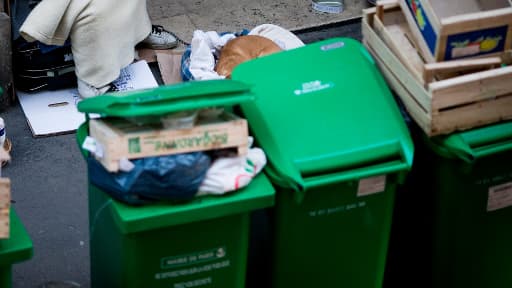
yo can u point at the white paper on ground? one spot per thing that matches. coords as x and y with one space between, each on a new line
135 77
54 112
51 112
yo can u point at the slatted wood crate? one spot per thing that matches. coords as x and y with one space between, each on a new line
5 205
441 97
118 138
453 29
5 198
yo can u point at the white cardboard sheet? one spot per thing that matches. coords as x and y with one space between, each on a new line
55 112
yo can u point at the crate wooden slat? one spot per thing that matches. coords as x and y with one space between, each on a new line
449 102
5 205
119 138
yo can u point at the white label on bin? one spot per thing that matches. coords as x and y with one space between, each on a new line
312 86
179 266
500 196
372 185
193 258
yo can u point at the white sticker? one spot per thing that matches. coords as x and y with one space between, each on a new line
465 51
499 197
371 185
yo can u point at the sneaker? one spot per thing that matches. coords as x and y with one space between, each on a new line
159 38
87 91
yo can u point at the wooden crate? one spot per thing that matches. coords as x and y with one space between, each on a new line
5 195
441 97
453 29
5 205
118 138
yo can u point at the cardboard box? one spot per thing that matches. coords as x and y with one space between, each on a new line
119 138
441 97
454 29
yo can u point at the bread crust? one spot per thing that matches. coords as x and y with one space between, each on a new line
242 49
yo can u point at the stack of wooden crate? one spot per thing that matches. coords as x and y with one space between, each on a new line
449 63
5 198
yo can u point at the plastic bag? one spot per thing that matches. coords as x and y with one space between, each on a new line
174 177
232 173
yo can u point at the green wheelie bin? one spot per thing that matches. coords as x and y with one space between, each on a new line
337 148
199 243
15 249
461 191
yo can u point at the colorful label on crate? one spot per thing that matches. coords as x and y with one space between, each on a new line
203 140
423 23
499 197
134 145
473 43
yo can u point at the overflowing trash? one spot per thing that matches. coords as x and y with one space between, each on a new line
201 57
183 143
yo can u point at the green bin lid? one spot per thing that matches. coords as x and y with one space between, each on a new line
324 114
165 99
258 194
475 143
18 247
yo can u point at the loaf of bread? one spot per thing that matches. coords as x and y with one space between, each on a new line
242 49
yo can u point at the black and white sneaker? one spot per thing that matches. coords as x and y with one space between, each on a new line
159 38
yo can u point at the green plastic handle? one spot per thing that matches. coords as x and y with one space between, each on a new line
379 169
166 99
81 134
476 143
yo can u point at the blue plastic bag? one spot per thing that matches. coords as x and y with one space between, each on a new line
174 177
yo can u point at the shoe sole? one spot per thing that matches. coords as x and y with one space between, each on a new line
160 47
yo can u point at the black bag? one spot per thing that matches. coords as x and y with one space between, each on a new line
171 178
41 67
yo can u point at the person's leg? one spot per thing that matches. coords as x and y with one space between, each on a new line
87 91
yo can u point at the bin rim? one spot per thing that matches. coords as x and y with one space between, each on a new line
18 247
168 98
258 194
471 145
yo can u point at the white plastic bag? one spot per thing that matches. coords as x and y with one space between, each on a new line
230 174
